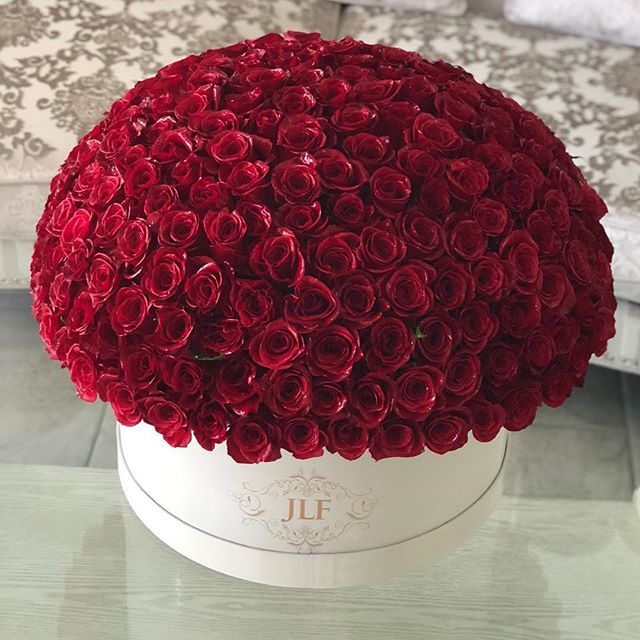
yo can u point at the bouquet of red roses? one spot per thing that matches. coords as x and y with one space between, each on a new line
301 244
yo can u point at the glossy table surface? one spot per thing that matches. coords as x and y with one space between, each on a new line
76 563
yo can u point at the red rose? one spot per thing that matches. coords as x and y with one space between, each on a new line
486 419
577 260
331 92
478 325
220 338
140 366
81 313
358 300
257 217
173 329
301 133
182 375
302 218
353 117
491 215
540 349
543 234
328 399
101 278
209 424
253 440
453 285
370 150
276 346
230 146
288 392
164 274
518 194
446 431
255 302
437 335
208 194
390 189
424 237
122 401
171 146
110 222
226 231
335 255
202 288
139 177
557 385
434 133
380 250
168 419
245 177
521 402
347 438
296 180
407 289
391 345
337 172
417 392
465 238
396 438
129 311
83 373
489 276
501 362
105 191
520 314
303 438
467 178
133 241
76 230
463 375
332 352
310 306
419 163
371 399
237 385
278 258
519 249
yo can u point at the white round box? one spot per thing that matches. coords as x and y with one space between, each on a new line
323 522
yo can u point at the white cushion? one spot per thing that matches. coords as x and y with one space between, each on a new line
587 91
63 64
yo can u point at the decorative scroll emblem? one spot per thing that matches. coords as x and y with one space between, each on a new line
305 511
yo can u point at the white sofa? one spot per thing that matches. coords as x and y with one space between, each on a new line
62 64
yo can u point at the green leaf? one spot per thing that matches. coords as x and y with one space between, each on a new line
200 357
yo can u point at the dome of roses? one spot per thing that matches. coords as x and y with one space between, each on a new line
309 245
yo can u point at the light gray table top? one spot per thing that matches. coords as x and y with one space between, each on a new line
76 563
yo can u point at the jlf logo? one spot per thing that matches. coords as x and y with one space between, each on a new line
300 509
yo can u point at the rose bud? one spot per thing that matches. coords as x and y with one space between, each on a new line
255 302
253 440
328 399
417 390
303 438
209 424
332 352
380 249
168 419
288 392
310 306
486 419
278 258
371 399
446 431
407 290
276 346
391 345
396 438
347 438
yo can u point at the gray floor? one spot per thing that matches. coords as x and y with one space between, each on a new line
581 450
